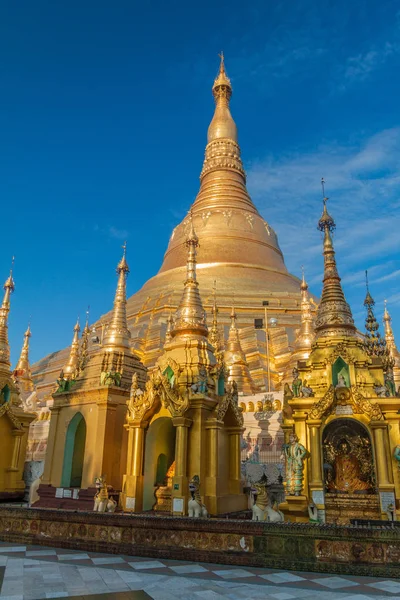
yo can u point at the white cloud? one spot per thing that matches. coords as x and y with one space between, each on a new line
360 66
364 185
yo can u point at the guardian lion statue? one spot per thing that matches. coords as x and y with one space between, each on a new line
195 506
262 509
102 503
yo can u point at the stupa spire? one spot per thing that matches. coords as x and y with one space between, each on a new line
22 372
374 344
222 150
235 359
4 311
117 335
214 336
389 335
83 354
334 318
305 336
190 318
71 368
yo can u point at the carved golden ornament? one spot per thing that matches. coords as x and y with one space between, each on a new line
230 400
346 396
6 409
341 350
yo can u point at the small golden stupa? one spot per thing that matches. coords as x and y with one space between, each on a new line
341 418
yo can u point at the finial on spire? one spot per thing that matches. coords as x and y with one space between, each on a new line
222 85
369 301
303 285
326 222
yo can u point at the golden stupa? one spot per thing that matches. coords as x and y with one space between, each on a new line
239 250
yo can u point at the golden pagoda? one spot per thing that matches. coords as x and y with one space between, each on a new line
391 346
86 437
14 421
341 421
185 416
22 372
240 250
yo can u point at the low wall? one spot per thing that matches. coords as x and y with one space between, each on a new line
303 547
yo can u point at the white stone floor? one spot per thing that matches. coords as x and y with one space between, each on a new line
36 572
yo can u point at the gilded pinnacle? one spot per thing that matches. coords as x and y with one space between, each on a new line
190 317
117 335
22 371
305 335
71 368
222 125
334 316
389 335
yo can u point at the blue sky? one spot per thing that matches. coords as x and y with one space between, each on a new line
104 113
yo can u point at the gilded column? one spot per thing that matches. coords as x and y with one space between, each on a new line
385 478
234 459
180 488
51 442
132 497
316 450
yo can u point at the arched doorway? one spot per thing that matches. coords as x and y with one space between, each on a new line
349 471
159 455
74 452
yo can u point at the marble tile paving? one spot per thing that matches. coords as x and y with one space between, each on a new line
35 572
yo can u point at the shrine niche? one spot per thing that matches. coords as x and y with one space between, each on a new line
340 373
348 459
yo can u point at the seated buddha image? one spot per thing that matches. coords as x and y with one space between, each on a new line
346 476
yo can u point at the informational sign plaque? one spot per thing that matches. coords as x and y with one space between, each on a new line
177 505
318 497
67 493
130 503
386 499
75 494
344 410
59 492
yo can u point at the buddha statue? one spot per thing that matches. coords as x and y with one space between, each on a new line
346 475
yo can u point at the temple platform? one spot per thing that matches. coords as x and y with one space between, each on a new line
295 546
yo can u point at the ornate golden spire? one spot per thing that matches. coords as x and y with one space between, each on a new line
22 372
118 335
235 359
4 310
334 318
83 354
70 371
305 336
190 318
222 150
214 336
389 335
